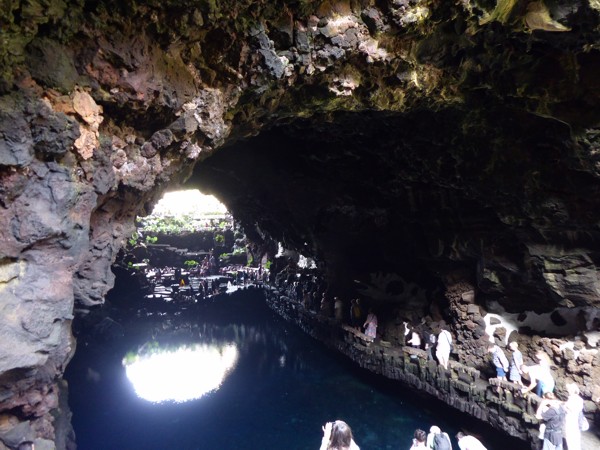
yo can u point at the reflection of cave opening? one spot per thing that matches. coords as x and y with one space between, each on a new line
180 375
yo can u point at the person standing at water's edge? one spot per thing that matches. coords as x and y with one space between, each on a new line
467 442
419 441
337 436
438 440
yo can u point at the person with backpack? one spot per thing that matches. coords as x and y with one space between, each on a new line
552 414
438 440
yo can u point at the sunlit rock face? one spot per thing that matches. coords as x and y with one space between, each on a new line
451 147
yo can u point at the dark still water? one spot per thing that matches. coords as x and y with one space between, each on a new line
276 387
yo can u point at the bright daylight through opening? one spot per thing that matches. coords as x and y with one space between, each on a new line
178 203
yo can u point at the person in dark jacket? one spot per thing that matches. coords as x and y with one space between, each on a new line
552 414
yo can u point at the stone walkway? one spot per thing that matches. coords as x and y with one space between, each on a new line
590 440
496 402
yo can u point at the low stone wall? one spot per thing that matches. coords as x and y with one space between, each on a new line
499 403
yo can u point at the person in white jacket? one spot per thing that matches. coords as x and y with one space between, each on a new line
573 409
443 347
467 442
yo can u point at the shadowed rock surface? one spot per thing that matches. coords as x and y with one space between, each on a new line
433 150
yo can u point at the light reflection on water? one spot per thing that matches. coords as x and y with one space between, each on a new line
181 375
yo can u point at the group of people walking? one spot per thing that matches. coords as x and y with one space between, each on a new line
539 375
437 341
440 344
561 421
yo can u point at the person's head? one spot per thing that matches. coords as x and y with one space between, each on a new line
420 435
543 358
341 435
460 435
513 345
572 389
435 430
491 347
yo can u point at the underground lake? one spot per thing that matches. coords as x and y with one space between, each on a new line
228 373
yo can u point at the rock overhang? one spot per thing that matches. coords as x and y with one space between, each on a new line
424 138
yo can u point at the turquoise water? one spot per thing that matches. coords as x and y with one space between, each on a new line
280 389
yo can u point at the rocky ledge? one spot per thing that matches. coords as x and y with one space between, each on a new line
462 386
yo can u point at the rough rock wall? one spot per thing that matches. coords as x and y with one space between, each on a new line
103 104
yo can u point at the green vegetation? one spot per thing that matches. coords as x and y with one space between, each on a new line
268 264
182 224
166 225
190 263
133 240
219 238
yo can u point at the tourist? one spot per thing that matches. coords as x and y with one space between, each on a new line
419 440
370 325
337 436
338 309
499 360
429 340
325 309
552 414
438 440
415 338
355 314
468 442
443 347
516 362
540 376
573 409
306 298
315 302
